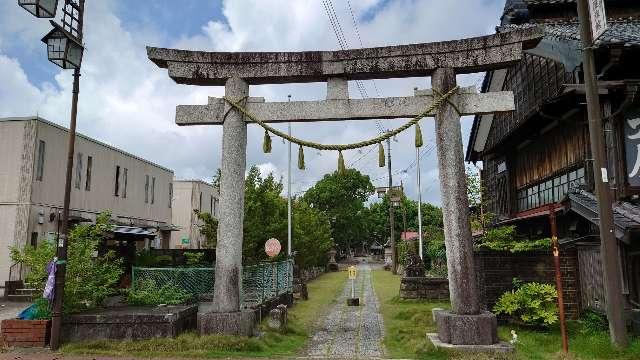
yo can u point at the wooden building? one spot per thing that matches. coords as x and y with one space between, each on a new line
539 154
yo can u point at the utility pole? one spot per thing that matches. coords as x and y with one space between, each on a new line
289 194
63 239
394 258
419 205
608 243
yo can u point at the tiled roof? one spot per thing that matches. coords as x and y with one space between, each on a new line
548 2
626 216
624 32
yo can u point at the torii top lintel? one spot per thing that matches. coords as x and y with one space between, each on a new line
464 56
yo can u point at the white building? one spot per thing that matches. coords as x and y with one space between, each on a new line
33 154
189 196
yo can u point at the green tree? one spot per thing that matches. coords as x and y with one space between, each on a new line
342 197
208 228
90 278
311 235
216 179
266 217
265 214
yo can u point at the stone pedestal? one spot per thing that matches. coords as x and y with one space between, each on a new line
455 329
477 333
239 323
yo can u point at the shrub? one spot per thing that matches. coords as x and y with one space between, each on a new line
42 310
36 260
164 260
89 278
149 293
533 304
593 322
505 238
194 258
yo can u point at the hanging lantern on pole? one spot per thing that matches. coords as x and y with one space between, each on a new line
40 8
63 49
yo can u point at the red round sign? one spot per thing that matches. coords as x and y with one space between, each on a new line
272 247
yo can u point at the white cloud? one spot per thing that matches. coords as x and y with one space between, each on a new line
127 101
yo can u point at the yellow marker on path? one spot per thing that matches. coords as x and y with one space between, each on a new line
353 274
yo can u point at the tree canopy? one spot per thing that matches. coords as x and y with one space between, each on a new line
265 217
342 198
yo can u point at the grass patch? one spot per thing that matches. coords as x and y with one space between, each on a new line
407 321
302 318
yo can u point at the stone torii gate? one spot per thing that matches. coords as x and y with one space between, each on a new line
466 323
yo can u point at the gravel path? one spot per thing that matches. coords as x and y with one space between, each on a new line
351 332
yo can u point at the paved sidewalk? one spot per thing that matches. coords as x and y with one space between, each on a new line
9 310
351 332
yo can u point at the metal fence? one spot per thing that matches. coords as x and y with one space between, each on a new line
260 282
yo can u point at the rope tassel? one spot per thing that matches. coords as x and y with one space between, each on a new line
301 158
419 141
381 157
341 168
266 144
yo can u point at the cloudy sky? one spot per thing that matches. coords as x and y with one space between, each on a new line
126 101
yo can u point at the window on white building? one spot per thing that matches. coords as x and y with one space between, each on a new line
87 184
117 187
40 164
146 189
78 170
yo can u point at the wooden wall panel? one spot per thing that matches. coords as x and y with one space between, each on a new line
533 81
561 148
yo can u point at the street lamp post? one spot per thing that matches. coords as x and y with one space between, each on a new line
64 48
395 196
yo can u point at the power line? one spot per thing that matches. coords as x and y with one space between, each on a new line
357 30
342 40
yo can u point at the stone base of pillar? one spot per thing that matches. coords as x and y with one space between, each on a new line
455 329
240 323
501 347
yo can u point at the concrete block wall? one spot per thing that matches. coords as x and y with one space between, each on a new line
424 288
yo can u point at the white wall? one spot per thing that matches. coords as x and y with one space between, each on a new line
186 199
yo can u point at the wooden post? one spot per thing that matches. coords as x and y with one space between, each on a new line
556 261
608 243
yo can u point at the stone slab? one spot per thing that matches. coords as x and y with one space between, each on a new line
130 323
469 103
239 323
501 347
465 56
459 329
353 301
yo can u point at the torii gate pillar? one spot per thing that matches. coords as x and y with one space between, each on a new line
465 324
224 315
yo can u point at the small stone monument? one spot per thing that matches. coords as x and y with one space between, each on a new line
300 291
414 266
332 265
278 318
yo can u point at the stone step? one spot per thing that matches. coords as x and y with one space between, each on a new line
26 291
19 298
